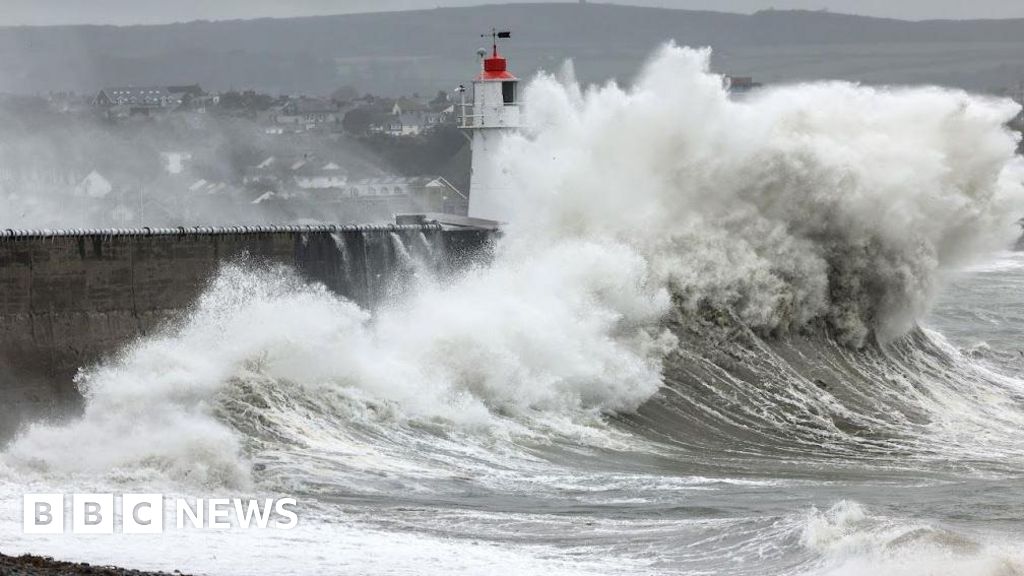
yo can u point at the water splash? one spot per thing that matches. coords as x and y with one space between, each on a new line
829 200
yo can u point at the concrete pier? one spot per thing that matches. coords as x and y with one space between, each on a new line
69 297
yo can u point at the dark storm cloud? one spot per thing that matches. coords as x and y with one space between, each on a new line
38 12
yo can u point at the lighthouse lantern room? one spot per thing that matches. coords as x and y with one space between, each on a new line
495 113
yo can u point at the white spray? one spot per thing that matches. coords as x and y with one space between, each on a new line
805 201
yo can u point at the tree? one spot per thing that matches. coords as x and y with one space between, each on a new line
359 120
250 100
440 101
346 93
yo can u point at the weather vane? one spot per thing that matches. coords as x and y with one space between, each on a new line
495 35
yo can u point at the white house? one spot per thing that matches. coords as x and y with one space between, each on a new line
94 185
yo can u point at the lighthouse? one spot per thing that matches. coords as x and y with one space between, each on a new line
495 114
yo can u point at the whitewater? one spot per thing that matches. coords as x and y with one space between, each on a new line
769 335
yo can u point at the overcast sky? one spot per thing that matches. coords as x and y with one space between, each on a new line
36 12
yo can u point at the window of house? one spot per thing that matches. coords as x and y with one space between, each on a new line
508 92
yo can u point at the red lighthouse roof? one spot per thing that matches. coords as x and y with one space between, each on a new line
496 66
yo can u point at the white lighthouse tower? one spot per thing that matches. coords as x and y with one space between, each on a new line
495 114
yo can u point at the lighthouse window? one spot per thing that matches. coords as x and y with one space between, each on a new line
508 92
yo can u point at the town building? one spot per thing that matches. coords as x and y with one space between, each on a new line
408 194
306 113
303 172
174 162
410 117
125 101
138 97
94 185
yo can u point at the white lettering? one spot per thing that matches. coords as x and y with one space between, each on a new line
246 515
196 517
43 514
281 508
142 513
92 514
219 512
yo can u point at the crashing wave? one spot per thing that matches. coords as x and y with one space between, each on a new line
819 201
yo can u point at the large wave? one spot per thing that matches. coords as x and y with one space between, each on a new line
651 227
827 200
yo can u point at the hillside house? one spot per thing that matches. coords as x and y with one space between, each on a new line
126 101
94 185
142 97
410 118
306 112
306 172
406 194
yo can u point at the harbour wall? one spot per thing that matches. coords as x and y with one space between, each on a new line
70 298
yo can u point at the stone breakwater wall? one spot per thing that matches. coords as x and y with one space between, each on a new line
70 297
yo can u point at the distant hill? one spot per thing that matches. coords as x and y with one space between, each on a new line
423 51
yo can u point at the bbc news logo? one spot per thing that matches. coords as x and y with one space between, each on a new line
144 513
